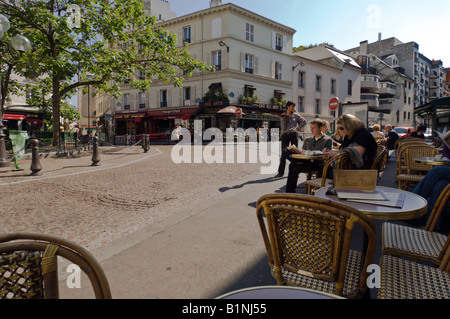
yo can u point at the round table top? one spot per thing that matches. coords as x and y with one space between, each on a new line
413 205
433 161
278 292
321 157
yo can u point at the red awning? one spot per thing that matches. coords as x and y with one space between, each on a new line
16 117
35 121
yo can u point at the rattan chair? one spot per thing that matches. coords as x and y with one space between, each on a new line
420 244
28 266
415 171
308 239
339 161
380 161
400 155
404 279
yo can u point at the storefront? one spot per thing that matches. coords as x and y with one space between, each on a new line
223 115
167 119
130 123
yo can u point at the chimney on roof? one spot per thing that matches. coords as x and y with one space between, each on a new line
379 36
215 3
363 47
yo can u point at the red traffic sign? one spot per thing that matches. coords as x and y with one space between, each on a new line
334 103
238 112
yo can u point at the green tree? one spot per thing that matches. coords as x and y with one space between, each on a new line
302 47
113 41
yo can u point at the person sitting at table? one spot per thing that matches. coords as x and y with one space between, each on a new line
392 137
430 188
420 132
357 137
317 142
376 132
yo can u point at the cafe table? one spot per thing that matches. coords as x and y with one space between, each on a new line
309 159
433 161
278 292
413 205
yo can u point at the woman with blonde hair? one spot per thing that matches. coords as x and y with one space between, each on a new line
376 132
356 136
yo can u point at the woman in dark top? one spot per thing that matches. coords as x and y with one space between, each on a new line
358 137
420 133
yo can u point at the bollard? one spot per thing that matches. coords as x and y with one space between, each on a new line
95 156
35 161
146 143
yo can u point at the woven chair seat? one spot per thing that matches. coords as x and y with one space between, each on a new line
317 182
412 242
353 274
410 177
404 279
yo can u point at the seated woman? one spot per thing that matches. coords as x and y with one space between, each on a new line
376 132
358 137
317 142
420 133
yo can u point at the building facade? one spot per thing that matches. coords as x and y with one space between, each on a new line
252 56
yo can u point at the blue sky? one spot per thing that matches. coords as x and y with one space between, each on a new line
346 23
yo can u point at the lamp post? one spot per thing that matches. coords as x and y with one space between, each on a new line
21 44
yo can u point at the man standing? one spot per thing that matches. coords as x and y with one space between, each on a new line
392 137
317 142
291 122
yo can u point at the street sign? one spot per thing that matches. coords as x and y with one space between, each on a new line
238 112
108 117
334 103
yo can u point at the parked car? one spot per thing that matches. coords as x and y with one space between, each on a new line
428 133
404 131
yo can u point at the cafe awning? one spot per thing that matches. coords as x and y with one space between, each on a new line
17 117
436 108
228 110
34 121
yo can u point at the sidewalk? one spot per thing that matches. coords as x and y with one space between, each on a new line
200 251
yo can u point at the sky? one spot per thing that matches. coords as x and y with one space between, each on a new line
345 23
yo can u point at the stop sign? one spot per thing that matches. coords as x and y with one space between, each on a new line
334 103
238 112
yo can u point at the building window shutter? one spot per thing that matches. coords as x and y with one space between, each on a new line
224 60
272 70
242 62
255 66
216 28
284 43
274 40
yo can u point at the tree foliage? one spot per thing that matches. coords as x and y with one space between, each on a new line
114 41
302 47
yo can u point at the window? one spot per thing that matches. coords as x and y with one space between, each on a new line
279 42
126 101
249 32
349 87
187 35
217 60
187 96
249 63
318 83
317 106
333 86
301 79
278 70
142 100
163 98
301 107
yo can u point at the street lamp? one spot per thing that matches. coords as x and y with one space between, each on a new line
21 44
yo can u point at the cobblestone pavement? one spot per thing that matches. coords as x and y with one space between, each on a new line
94 205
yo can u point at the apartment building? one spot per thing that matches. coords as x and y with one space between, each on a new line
327 72
252 56
314 85
428 75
